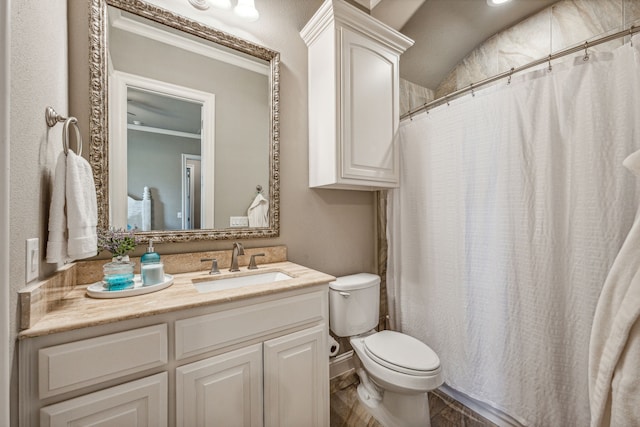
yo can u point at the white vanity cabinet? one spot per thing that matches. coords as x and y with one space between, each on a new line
279 380
103 379
353 98
260 361
278 383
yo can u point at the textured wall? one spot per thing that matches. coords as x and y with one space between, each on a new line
38 79
413 95
5 248
565 24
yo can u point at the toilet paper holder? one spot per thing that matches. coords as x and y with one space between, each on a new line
334 347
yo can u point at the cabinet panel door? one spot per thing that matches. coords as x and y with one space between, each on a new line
224 390
296 379
370 109
141 403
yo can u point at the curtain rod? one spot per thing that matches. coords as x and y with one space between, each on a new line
473 86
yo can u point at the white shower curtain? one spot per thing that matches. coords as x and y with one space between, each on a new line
512 207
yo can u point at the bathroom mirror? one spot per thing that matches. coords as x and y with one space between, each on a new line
184 126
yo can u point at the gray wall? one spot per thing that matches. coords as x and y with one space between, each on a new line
154 160
331 231
38 78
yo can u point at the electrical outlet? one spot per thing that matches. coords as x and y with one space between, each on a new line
239 221
32 260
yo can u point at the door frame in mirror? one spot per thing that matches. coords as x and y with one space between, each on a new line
99 123
120 82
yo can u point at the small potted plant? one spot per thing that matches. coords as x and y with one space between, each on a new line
118 274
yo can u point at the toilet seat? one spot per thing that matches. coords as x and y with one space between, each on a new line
401 353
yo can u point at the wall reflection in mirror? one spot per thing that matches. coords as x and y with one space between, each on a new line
192 127
164 156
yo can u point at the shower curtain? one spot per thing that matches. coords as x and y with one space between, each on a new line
512 207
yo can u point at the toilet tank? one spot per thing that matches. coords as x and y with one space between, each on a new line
354 304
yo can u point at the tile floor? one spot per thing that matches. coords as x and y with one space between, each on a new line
347 411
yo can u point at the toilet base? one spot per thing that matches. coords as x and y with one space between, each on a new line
393 409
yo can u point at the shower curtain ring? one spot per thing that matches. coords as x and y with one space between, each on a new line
550 68
510 74
631 35
446 98
472 91
586 52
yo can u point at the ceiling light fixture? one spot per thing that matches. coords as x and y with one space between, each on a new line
494 3
199 4
221 4
245 9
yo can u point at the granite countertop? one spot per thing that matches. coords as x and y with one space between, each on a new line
77 310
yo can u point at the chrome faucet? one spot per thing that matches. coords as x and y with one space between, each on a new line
237 250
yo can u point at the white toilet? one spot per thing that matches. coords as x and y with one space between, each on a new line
398 369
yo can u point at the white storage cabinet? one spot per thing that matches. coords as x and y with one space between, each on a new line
353 98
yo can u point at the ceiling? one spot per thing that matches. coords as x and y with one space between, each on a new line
445 31
156 110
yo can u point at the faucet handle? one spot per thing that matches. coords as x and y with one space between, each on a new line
252 262
239 247
214 265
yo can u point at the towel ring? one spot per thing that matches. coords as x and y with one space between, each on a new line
65 136
52 118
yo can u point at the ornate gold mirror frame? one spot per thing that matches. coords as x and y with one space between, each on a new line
99 127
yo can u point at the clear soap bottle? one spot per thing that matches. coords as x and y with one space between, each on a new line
152 269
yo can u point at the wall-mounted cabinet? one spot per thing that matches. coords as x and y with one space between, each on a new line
353 98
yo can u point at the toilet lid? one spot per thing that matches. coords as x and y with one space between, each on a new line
401 353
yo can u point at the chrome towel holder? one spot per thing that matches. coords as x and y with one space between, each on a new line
53 118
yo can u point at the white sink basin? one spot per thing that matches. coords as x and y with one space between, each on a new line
218 284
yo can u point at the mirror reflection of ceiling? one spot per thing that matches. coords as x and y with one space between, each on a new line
159 111
445 31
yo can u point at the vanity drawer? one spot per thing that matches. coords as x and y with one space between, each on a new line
137 403
78 364
209 332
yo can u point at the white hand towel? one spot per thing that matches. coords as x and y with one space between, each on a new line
57 241
632 162
258 212
73 214
82 208
614 349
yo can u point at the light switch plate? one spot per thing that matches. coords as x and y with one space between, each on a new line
32 260
239 221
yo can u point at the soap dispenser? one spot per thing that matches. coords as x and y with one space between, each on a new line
152 270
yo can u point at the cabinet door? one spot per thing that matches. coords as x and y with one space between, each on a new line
296 379
369 107
224 390
141 403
